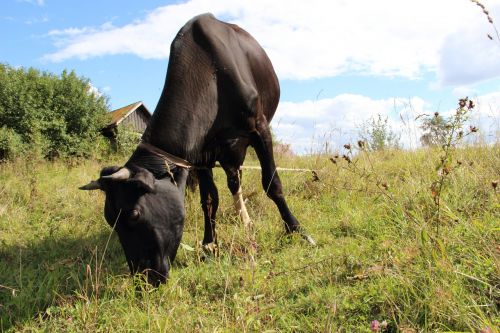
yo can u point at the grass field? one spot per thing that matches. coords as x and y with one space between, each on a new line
383 252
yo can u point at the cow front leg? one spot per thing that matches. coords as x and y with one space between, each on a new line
234 184
261 140
209 203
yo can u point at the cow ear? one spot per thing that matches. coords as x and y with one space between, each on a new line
144 180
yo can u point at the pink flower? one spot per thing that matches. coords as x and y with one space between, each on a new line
375 326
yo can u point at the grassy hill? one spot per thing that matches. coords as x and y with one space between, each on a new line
386 251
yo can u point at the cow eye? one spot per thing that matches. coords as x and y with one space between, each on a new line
134 214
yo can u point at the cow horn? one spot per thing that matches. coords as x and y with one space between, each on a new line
93 185
122 174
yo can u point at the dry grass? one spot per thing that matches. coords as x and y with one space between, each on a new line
378 255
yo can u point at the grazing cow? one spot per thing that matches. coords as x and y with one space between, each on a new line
220 94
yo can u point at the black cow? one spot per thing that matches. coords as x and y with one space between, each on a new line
220 94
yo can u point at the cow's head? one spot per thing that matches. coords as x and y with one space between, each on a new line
147 214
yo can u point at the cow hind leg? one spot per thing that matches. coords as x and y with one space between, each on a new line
234 184
209 203
261 140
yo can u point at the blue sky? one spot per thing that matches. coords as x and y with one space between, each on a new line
339 62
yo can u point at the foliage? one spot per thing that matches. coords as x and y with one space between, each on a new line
61 115
378 135
435 131
62 268
453 136
126 140
11 145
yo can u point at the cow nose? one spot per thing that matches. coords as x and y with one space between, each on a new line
155 278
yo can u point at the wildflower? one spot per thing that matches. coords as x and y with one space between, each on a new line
384 324
462 102
436 114
315 176
347 158
375 326
471 105
486 330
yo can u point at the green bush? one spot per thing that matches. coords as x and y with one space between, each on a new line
126 140
60 115
378 135
11 144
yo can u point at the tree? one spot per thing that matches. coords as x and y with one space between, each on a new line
435 131
59 115
377 134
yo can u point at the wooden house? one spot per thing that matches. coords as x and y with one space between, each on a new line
134 116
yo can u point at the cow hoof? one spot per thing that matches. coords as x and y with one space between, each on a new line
303 234
211 249
307 238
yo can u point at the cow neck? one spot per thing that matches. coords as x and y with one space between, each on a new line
160 166
185 112
165 156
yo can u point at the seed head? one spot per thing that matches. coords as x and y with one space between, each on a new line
361 144
494 184
462 102
347 158
347 146
473 129
315 177
471 105
436 114
334 161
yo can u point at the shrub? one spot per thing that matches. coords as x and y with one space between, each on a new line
126 140
377 134
62 112
11 144
435 131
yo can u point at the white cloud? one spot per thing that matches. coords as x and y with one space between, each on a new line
468 55
34 2
310 125
486 116
316 38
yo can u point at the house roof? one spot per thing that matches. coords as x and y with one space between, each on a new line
118 115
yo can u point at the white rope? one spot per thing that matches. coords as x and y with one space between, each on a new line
256 167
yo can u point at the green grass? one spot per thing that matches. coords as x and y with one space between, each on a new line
380 256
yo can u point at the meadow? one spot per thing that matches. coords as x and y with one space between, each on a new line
387 251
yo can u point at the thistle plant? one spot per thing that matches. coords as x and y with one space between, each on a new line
454 135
